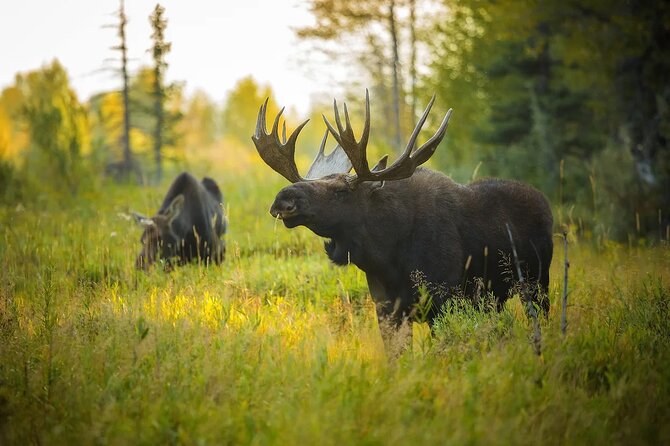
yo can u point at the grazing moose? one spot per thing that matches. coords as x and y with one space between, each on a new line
189 225
394 222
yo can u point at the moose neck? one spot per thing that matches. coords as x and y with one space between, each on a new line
370 238
340 251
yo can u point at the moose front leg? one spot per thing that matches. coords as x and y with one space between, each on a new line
393 319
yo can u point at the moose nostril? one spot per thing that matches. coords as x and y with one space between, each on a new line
290 207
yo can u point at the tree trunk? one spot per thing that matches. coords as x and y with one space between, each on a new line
128 164
127 154
412 60
158 131
396 77
159 49
540 90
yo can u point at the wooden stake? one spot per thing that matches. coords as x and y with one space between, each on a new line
564 313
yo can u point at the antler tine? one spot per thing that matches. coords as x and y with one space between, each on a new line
322 149
355 150
423 153
419 125
405 165
275 125
294 136
280 156
260 120
337 116
407 153
366 126
283 133
347 121
332 130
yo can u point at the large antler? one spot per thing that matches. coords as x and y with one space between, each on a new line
404 166
280 154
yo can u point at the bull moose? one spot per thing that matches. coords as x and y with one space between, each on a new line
189 225
394 222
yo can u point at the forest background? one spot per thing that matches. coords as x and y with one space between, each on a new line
570 96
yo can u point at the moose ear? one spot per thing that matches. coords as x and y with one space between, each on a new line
142 220
175 208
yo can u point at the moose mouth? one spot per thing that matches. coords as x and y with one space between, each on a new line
283 215
291 218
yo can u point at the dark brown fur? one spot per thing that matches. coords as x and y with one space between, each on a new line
429 224
189 225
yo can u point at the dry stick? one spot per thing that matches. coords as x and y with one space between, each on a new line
530 308
564 314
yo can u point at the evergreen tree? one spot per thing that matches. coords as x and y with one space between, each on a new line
158 51
544 85
128 163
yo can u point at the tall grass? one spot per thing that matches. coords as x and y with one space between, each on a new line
277 346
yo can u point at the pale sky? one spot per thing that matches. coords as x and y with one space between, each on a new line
214 44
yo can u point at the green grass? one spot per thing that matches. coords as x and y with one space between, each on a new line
277 346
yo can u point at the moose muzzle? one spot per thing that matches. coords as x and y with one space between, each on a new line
283 209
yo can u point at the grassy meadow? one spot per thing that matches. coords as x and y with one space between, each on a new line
277 346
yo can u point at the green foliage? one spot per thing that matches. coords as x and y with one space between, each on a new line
11 185
160 47
106 118
241 108
334 18
540 85
143 110
200 124
158 51
372 39
278 346
57 125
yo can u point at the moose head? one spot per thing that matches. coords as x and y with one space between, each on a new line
159 239
329 199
